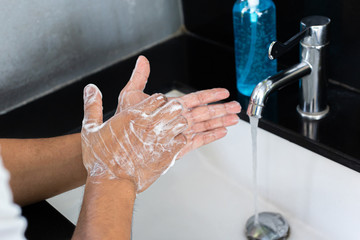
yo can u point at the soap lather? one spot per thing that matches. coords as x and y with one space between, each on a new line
314 40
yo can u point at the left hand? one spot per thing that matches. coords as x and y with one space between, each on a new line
137 144
206 123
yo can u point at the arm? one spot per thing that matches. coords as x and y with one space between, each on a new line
42 168
107 210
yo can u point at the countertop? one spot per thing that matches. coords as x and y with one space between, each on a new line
185 63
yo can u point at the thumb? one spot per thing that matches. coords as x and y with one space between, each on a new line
93 116
139 76
137 82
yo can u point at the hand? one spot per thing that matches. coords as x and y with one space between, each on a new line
206 123
139 143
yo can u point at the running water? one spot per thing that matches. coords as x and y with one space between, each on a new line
254 124
264 225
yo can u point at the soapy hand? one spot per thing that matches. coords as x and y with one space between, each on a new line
206 123
139 143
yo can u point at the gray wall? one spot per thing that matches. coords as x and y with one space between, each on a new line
46 44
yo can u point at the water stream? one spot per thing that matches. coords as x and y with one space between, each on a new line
264 225
254 125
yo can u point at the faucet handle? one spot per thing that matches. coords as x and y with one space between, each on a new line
277 49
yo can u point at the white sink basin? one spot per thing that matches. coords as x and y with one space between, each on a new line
207 194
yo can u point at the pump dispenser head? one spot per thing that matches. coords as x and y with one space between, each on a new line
253 3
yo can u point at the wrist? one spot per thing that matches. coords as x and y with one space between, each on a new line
103 184
107 209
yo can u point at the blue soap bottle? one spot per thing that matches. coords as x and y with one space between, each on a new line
254 31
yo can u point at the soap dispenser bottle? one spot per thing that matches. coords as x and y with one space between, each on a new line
254 31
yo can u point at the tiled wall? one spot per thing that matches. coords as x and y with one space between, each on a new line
46 44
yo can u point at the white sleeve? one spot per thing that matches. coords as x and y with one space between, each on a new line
12 224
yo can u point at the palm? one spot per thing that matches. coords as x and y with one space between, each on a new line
206 123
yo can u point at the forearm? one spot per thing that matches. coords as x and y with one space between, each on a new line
107 210
41 168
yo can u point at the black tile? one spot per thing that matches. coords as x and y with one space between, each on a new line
45 222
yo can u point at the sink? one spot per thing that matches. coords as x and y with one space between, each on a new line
208 193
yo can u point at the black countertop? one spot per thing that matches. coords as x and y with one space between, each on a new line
186 63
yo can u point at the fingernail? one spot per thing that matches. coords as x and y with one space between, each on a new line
175 105
159 97
89 91
234 120
223 131
138 60
224 93
233 107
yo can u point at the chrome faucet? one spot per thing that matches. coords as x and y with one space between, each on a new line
314 39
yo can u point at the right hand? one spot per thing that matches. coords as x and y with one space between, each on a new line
206 123
139 143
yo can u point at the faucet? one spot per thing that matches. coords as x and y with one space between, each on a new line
313 38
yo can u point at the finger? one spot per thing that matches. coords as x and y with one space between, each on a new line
151 104
139 76
172 129
201 139
137 80
224 121
168 112
204 113
93 116
204 97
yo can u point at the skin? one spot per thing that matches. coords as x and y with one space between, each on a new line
110 193
42 168
101 216
139 143
207 123
107 210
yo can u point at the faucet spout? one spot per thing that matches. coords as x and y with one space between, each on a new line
262 91
311 71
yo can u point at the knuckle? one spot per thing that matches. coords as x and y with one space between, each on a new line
184 121
176 105
208 125
182 139
159 97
